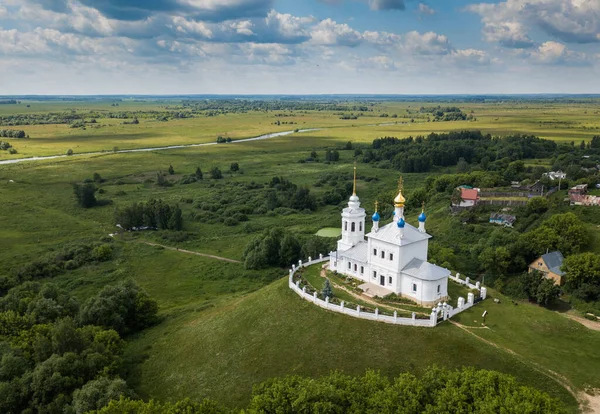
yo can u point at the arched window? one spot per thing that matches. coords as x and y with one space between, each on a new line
345 226
353 226
360 226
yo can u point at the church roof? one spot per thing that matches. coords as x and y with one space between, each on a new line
424 270
389 233
358 253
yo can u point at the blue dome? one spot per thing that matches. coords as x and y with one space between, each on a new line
376 216
400 223
422 217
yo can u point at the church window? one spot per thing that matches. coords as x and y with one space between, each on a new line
349 265
374 274
345 226
439 286
353 226
360 226
414 287
374 252
382 254
390 280
355 267
362 270
391 256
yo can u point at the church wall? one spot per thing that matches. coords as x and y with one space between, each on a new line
426 293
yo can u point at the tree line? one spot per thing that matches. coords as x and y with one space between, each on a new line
57 355
13 133
438 390
154 214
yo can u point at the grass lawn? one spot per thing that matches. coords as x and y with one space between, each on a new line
329 232
223 351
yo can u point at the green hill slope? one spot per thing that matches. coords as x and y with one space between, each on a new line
220 353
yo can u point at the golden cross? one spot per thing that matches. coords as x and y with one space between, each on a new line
423 206
376 205
400 184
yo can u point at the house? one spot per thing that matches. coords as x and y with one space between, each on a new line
555 175
578 196
391 258
550 264
505 220
469 197
578 190
536 188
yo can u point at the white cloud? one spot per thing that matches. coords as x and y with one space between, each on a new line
429 43
576 21
425 9
328 32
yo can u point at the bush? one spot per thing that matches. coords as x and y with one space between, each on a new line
69 151
215 173
124 307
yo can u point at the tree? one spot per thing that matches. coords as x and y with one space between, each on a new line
171 170
580 269
85 194
348 145
161 180
437 391
69 151
124 307
96 394
234 167
547 292
198 173
216 174
327 291
537 205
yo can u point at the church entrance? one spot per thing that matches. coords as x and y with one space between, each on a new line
382 280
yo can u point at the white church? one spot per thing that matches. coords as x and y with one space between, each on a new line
393 258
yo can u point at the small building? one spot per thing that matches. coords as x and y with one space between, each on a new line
555 175
469 197
549 264
579 190
536 188
505 220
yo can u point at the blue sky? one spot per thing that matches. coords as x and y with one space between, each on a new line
299 46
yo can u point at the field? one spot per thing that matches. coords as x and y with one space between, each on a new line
223 328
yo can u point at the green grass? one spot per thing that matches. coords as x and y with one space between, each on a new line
329 232
222 352
225 328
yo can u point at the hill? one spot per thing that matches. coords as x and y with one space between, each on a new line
222 352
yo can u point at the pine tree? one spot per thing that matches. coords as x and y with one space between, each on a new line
327 291
198 173
171 170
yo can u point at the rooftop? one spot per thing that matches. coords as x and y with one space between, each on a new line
554 261
424 270
469 194
390 233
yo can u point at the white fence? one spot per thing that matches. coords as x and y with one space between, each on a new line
442 310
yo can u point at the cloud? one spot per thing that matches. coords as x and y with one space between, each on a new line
571 21
328 32
211 10
429 43
387 4
425 9
556 53
376 5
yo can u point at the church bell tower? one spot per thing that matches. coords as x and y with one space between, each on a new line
353 221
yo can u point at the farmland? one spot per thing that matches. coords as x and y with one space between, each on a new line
224 328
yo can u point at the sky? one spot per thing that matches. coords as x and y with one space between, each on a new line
299 46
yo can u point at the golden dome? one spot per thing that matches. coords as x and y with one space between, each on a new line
399 200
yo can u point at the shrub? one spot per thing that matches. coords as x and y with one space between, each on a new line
69 151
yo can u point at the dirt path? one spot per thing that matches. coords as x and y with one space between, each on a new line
587 403
585 322
367 299
224 259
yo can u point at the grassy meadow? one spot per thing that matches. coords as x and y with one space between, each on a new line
224 329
